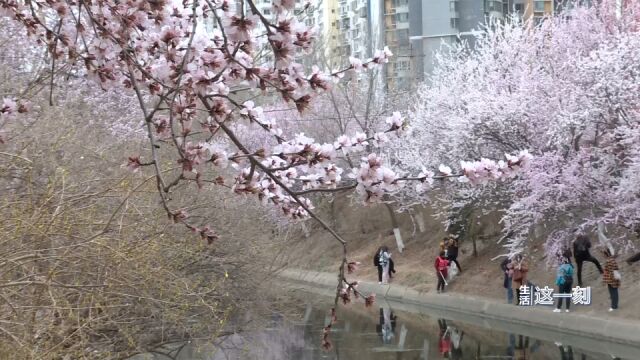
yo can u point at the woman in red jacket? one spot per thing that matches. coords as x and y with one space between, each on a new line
441 266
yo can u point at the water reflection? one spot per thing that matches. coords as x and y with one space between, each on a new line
382 334
450 339
520 349
386 326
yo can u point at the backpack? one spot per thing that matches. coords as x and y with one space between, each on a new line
565 274
376 260
568 274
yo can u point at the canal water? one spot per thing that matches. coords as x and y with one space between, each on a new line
385 333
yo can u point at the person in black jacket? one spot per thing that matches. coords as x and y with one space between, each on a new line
633 258
508 273
452 251
581 253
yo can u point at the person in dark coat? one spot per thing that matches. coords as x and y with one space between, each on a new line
508 273
452 252
581 253
633 258
392 268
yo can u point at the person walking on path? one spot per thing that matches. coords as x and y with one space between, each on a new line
441 266
443 246
376 263
383 268
520 269
392 268
581 253
611 278
633 258
452 252
508 278
564 280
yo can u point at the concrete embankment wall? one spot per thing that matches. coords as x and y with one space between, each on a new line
603 335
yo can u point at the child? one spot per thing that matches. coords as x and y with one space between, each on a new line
611 277
441 266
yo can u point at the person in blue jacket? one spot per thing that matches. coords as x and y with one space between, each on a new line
564 280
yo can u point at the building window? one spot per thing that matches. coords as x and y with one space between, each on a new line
400 2
493 5
454 23
403 65
519 8
266 12
403 36
538 6
402 17
453 6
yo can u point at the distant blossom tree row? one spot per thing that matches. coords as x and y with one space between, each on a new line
567 90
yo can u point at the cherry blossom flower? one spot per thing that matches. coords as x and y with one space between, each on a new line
445 170
356 63
239 28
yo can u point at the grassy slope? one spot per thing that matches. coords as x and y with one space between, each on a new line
368 228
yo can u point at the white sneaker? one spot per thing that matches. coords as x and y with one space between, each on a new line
558 343
379 282
557 310
566 310
610 309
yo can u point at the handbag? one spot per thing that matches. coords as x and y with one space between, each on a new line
616 275
517 275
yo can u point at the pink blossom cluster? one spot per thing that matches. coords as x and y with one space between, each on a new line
374 179
479 172
11 107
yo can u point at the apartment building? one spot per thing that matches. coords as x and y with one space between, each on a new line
538 9
534 10
414 30
396 33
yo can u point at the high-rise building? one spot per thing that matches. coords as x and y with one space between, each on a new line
430 25
348 30
537 9
397 29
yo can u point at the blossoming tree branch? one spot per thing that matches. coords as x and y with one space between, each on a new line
193 86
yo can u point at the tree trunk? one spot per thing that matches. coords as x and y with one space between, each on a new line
396 228
473 236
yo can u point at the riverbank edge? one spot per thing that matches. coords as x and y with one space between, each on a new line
608 329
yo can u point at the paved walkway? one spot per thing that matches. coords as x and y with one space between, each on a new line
600 334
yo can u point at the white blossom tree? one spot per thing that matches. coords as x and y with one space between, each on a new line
566 90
